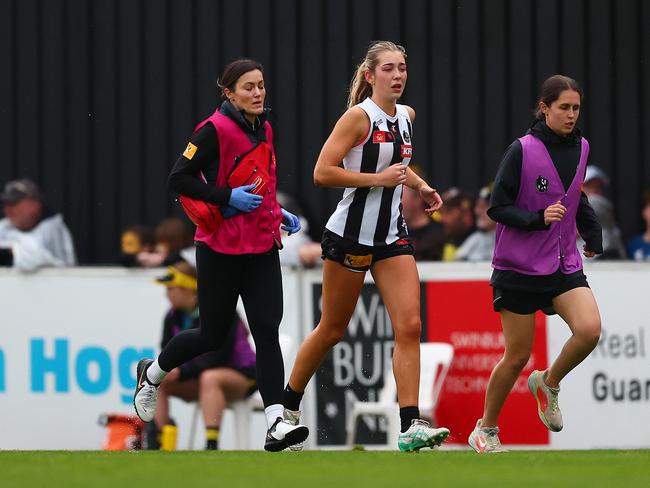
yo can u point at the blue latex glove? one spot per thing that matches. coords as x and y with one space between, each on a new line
244 201
290 221
228 211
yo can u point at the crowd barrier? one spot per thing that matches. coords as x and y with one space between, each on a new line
71 338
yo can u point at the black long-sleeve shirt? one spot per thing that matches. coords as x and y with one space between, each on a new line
184 179
565 154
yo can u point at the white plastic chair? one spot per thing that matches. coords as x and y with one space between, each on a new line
243 409
435 360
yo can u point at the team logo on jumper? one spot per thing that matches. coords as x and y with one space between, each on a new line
542 184
407 151
406 137
380 136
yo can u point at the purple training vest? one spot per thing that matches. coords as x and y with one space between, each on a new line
246 233
541 252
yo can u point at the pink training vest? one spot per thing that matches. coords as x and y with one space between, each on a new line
246 233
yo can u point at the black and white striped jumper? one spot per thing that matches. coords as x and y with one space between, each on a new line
373 216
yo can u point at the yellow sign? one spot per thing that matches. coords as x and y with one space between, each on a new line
190 150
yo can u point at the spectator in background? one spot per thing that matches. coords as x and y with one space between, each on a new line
638 248
31 235
457 219
173 239
134 240
479 246
298 249
425 232
595 186
213 378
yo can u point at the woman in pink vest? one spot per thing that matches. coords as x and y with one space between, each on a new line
538 204
240 256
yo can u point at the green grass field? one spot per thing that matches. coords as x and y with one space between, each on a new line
313 469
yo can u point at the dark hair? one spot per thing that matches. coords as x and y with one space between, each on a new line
234 71
174 233
551 90
457 198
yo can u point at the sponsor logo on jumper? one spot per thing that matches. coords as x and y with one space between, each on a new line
380 136
407 151
358 261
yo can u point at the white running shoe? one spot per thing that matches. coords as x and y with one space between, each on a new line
146 393
485 440
293 417
420 434
546 397
282 434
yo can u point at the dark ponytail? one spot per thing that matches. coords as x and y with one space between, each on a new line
551 90
234 71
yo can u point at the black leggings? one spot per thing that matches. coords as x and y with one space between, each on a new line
222 278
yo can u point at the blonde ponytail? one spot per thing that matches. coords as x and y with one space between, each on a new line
360 89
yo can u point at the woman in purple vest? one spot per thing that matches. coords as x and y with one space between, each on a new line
539 206
240 257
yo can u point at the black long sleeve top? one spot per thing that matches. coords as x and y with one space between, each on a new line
565 154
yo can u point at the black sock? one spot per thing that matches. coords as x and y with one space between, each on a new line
292 398
407 415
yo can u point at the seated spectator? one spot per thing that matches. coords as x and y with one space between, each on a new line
31 235
595 186
638 248
424 231
134 240
457 219
479 246
298 249
174 241
214 378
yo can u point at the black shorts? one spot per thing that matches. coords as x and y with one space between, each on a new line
357 257
527 302
251 375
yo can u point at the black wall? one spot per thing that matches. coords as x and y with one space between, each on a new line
98 97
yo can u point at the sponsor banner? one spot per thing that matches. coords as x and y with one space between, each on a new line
353 370
611 387
460 313
605 401
71 339
70 344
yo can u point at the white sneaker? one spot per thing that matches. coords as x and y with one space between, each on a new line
419 435
282 434
293 417
146 393
548 408
485 440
